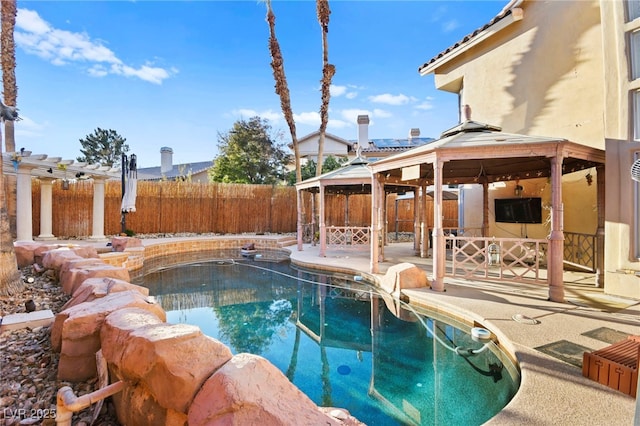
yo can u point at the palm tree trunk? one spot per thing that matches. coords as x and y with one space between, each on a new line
328 70
10 282
282 88
8 13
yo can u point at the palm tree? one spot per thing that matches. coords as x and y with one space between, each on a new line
10 282
282 88
8 13
328 70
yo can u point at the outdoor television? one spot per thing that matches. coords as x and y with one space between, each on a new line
518 210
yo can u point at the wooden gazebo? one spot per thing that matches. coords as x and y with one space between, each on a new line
353 178
473 152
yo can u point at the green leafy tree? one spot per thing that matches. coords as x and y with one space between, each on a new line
103 147
249 153
308 170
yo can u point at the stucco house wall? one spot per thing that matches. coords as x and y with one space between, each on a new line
541 75
622 242
560 68
333 146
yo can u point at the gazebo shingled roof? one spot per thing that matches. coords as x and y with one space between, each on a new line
472 150
352 178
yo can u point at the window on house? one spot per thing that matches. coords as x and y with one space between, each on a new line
634 47
635 110
633 9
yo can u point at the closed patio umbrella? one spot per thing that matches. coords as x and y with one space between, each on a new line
131 187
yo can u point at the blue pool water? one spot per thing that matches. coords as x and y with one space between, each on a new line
339 341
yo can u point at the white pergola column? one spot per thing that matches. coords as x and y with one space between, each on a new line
98 210
24 217
439 249
46 210
555 276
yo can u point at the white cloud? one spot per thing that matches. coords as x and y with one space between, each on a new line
27 128
61 47
390 99
450 25
351 115
380 113
425 105
309 118
269 114
346 91
337 90
337 124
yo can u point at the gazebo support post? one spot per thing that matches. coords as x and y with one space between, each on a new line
439 249
416 220
600 182
485 206
376 193
299 218
555 276
323 229
424 227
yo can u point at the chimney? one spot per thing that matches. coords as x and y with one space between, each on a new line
363 130
166 159
414 133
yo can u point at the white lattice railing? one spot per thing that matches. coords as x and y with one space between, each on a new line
517 260
353 237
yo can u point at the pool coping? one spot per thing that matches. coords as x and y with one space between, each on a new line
551 391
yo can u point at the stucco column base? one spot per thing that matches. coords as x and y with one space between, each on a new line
555 267
48 237
98 238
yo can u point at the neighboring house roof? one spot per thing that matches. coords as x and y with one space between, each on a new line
393 145
326 135
178 170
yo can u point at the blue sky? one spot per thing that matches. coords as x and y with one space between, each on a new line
178 73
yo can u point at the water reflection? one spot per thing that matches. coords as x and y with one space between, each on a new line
341 342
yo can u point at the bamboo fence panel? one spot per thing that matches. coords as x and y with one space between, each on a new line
176 207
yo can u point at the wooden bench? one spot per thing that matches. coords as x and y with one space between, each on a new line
615 366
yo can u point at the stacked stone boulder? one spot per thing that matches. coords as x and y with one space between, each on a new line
173 373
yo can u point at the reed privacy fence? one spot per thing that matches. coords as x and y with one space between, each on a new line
173 207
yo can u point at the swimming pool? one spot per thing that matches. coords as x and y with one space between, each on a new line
340 341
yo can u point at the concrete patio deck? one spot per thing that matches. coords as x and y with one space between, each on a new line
553 391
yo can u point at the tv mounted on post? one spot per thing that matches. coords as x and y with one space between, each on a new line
518 210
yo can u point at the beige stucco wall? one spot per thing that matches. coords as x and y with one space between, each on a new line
621 250
309 147
579 199
539 76
563 71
